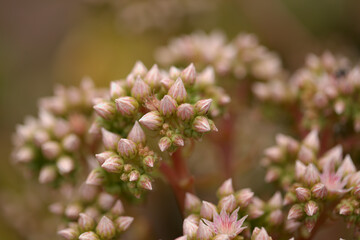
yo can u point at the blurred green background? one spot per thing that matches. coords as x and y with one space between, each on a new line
43 42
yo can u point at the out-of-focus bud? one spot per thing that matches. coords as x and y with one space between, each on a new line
207 210
228 203
86 223
68 234
274 153
113 164
89 236
201 124
206 77
300 169
244 197
116 90
204 231
272 174
65 165
295 212
118 208
51 149
106 228
167 106
339 107
260 234
276 217
347 166
310 223
192 203
152 120
203 106
95 177
145 182
185 111
311 208
110 140
72 211
319 191
178 91
127 148
189 228
102 157
24 155
136 134
105 110
345 210
303 194
225 189
153 76
306 155
164 143
311 175
174 72
106 201
276 200
71 143
123 223
312 140
47 174
188 75
127 106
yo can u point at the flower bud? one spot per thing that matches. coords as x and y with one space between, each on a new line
201 124
86 223
116 90
72 211
311 208
153 76
276 200
136 134
95 177
178 140
102 157
68 234
276 217
106 228
227 203
123 223
312 140
226 188
167 106
127 106
118 208
306 155
51 149
134 176
24 155
145 182
347 166
139 69
207 210
300 169
178 91
149 161
174 72
105 110
188 75
244 197
65 165
295 212
202 106
311 175
206 77
274 153
189 228
113 164
319 191
140 90
71 143
106 201
89 236
164 143
47 174
110 140
345 210
185 111
192 203
127 148
303 194
260 234
204 232
152 120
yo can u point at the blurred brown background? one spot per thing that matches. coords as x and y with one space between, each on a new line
43 42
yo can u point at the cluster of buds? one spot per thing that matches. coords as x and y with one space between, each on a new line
176 105
54 145
99 217
206 220
127 162
242 57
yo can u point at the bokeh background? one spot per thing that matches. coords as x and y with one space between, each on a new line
44 42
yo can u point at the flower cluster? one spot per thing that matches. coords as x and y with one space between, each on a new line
55 145
242 57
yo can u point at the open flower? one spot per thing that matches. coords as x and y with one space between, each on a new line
334 182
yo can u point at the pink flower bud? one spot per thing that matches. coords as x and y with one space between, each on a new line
192 203
167 106
188 75
71 143
123 223
127 106
295 212
86 223
227 203
113 164
105 110
303 194
116 90
274 153
153 76
106 201
300 169
185 111
106 228
149 161
152 120
110 140
276 200
244 197
47 174
345 210
178 140
65 165
189 228
319 191
136 134
24 155
167 83
89 236
312 140
206 77
51 149
276 217
201 124
311 208
311 175
202 106
260 234
95 177
204 232
134 176
72 211
178 91
207 210
140 90
56 208
68 234
164 143
339 107
102 157
139 69
347 166
127 148
145 182
174 72
272 175
41 136
306 155
118 208
226 188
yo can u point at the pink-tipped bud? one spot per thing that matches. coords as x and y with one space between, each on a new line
188 75
164 143
295 212
276 200
152 120
51 149
105 110
71 143
276 217
167 83
174 72
289 198
275 153
102 157
153 76
207 210
86 223
113 164
311 208
201 124
306 154
95 177
202 106
149 161
65 165
106 228
106 201
123 223
110 140
89 236
319 191
226 188
134 176
127 148
244 197
345 210
24 155
127 106
118 208
303 194
167 106
260 234
56 208
140 90
72 211
178 91
178 140
272 175
145 182
136 134
206 77
228 203
139 69
347 166
311 175
68 234
47 174
189 228
204 231
310 223
312 140
116 90
185 111
192 203
300 169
